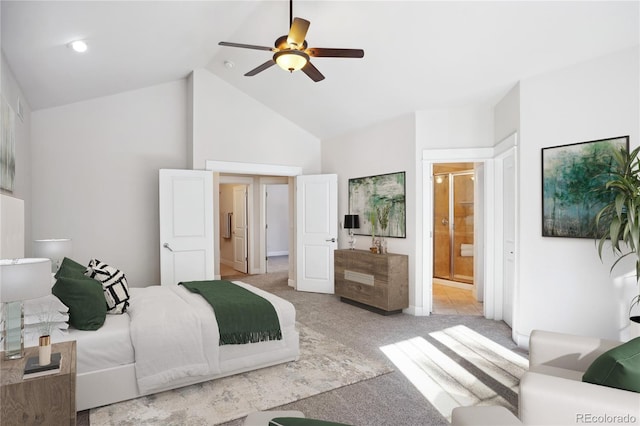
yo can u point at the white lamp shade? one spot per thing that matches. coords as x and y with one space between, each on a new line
54 249
22 279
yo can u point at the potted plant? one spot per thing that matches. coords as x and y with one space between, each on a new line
619 220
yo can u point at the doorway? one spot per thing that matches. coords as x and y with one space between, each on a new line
453 239
453 217
495 217
277 227
233 230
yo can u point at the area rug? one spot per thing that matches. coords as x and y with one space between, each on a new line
324 365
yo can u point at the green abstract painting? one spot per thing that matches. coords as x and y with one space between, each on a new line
379 201
570 176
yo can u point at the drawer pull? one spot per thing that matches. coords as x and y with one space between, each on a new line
359 277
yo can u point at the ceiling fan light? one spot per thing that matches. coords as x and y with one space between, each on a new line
291 60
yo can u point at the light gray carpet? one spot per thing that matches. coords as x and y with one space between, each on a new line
390 399
324 364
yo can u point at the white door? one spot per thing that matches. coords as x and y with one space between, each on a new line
316 232
186 226
240 228
509 235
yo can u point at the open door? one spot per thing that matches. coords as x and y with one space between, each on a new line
317 230
186 226
240 249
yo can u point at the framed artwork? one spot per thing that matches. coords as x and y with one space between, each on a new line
379 201
570 173
7 146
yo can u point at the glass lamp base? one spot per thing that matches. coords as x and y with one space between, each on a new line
352 241
13 330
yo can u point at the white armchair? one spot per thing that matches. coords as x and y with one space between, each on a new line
552 391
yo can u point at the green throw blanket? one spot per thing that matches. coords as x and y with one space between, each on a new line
243 316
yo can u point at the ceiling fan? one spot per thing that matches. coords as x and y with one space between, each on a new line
292 53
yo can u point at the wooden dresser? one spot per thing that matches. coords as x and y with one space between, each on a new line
378 282
43 400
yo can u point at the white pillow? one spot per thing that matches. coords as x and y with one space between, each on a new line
114 284
48 302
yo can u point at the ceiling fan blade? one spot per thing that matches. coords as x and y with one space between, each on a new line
298 31
321 52
260 68
312 72
246 46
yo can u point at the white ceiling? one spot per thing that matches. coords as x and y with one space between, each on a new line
418 54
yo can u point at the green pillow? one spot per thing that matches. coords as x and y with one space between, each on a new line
301 421
617 368
68 267
84 297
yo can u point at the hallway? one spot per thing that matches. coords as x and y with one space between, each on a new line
274 264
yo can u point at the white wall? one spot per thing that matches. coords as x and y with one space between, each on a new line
95 174
507 115
385 147
228 125
468 127
10 90
563 284
277 210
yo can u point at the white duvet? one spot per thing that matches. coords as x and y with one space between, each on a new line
175 336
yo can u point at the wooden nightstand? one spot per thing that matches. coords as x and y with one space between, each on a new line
46 400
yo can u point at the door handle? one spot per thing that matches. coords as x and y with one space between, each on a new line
166 245
332 240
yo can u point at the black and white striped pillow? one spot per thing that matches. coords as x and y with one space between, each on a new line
114 284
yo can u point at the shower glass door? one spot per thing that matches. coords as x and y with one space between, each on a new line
453 226
441 238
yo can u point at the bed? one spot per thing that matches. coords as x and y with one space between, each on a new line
109 359
106 358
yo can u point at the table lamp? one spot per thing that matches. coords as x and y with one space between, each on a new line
351 222
54 249
20 279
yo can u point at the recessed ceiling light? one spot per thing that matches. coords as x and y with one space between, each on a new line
228 64
78 46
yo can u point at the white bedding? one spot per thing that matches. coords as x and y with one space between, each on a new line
109 346
174 337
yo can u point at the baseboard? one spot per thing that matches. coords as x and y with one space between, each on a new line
522 340
291 282
278 253
417 311
226 262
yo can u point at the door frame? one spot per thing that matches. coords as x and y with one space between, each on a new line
257 170
492 247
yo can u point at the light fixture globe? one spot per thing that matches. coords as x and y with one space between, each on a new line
291 60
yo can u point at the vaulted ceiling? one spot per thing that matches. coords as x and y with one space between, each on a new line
418 54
